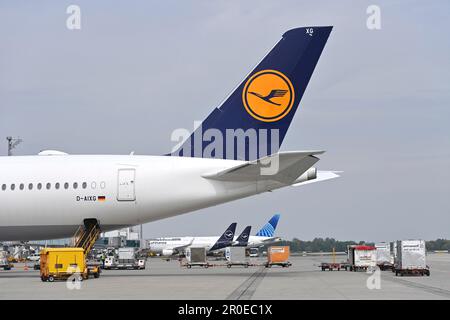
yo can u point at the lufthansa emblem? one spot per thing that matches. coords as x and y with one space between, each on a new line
268 95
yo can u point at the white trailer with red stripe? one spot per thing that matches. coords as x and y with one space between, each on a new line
361 257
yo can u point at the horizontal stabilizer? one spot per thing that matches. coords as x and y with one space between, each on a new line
283 167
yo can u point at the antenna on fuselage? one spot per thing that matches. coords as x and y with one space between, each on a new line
12 143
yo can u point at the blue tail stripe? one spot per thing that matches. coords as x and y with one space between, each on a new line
268 230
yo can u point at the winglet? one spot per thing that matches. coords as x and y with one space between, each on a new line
293 162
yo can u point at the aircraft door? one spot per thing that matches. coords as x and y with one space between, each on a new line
125 185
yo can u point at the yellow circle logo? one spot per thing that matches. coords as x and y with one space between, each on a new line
268 95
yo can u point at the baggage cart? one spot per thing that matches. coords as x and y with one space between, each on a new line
236 257
278 256
196 257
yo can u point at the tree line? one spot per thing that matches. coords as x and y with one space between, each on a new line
327 244
439 244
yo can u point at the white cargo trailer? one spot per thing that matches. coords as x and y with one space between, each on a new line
361 257
196 257
411 258
236 257
393 251
393 254
127 258
383 254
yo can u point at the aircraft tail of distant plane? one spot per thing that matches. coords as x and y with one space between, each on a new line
262 106
268 230
242 240
226 239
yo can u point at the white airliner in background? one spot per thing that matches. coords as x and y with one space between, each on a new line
50 195
168 246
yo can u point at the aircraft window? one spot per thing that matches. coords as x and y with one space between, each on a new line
84 185
66 185
102 184
75 185
21 186
13 186
30 186
39 186
4 187
49 186
57 185
93 185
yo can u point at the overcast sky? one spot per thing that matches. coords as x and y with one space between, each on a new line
378 101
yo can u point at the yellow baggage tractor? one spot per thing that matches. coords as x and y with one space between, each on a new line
62 263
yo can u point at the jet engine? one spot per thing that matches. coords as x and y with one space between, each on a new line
310 174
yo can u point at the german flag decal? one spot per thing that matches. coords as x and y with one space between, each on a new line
101 198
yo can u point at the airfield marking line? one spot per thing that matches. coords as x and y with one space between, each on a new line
246 290
411 284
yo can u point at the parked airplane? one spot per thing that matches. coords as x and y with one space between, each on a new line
226 239
242 240
172 245
50 195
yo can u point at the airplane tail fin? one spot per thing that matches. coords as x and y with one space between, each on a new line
252 122
226 239
242 240
269 228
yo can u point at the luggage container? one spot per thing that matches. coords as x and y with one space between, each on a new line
411 258
126 258
278 256
196 257
62 263
383 255
236 257
361 257
126 254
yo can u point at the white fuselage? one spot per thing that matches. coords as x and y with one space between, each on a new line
179 244
118 191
